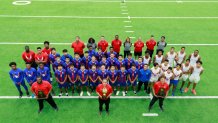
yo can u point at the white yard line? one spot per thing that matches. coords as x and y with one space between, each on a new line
127 1
149 114
116 97
101 17
38 43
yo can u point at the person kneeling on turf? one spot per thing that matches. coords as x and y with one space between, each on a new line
42 91
160 91
104 92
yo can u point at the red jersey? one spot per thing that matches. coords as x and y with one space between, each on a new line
159 85
47 51
138 46
78 47
103 45
100 88
42 57
28 57
45 87
151 44
116 44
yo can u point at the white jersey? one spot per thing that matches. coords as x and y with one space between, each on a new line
158 59
155 74
185 68
164 68
171 58
193 59
176 73
168 76
146 60
180 57
197 71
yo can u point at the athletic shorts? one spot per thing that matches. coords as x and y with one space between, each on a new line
194 78
137 53
94 84
122 84
62 85
184 77
174 82
154 79
133 84
113 84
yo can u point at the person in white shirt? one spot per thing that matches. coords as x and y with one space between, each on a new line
194 57
181 56
171 56
159 58
194 78
147 58
185 73
169 75
155 73
164 66
177 74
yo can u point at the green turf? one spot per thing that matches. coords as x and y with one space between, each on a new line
64 30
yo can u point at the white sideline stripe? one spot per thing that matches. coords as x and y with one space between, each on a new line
25 43
116 97
127 26
95 17
124 10
132 37
129 31
101 1
124 13
127 21
149 114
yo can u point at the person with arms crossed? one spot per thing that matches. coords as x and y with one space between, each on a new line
161 44
138 45
147 58
116 44
171 57
103 44
151 43
127 47
91 42
194 57
17 76
159 58
104 92
42 91
160 91
181 56
29 57
194 78
78 46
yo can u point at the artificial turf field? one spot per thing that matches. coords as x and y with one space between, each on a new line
187 22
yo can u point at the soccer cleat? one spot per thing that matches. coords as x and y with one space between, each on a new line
124 93
186 90
28 94
81 93
51 79
181 90
149 109
56 109
88 93
135 92
60 95
161 109
66 94
194 92
39 111
173 94
117 93
21 94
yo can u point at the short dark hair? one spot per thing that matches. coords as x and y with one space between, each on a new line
64 50
163 37
38 48
86 51
170 68
140 57
133 65
155 64
199 62
53 48
121 55
178 65
46 42
91 40
28 63
123 66
187 60
12 63
182 47
166 60
130 54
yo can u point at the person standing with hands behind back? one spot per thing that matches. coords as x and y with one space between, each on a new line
104 92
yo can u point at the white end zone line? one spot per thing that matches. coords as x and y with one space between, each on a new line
115 97
150 114
25 43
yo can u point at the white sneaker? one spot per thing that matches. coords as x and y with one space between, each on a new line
81 93
88 93
51 79
151 96
124 93
117 93
66 94
60 95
